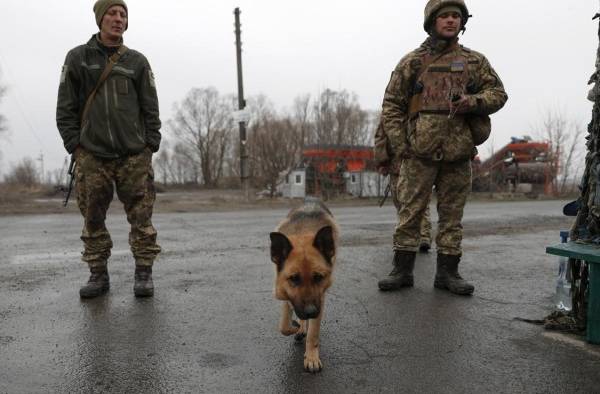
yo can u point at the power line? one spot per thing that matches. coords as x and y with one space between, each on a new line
18 103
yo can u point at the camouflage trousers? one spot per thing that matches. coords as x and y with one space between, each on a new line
425 229
134 181
452 183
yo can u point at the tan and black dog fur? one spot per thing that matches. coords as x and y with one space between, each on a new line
303 249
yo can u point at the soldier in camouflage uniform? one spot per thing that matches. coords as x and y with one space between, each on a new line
113 144
389 164
435 109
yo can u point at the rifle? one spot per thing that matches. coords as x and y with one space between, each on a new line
386 193
70 173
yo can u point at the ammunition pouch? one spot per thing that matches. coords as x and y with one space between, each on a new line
480 126
415 106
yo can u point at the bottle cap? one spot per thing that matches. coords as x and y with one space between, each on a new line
564 236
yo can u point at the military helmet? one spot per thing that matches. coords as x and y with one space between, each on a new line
433 6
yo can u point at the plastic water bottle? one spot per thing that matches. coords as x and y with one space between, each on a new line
563 283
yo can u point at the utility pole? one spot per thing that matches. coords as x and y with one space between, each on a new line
41 160
241 106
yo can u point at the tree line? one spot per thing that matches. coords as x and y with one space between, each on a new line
202 140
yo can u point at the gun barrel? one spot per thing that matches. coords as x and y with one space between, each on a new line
71 173
386 193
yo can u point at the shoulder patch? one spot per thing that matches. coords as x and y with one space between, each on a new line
416 63
63 73
151 79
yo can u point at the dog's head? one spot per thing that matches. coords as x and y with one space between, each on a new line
304 266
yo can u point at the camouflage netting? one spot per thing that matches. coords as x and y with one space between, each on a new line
587 225
586 228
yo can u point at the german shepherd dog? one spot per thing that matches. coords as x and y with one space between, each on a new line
303 248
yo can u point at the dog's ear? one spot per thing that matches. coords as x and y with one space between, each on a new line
280 249
324 243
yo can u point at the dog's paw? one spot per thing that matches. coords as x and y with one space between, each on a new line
312 363
299 337
301 334
291 329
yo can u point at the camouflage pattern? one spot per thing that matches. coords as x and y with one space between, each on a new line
433 135
452 183
382 150
436 147
384 157
397 184
433 6
134 180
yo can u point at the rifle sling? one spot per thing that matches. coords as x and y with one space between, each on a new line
112 60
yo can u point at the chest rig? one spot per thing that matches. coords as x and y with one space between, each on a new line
441 80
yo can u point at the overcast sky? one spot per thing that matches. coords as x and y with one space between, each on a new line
544 51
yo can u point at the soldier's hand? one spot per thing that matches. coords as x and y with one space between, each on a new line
77 151
464 105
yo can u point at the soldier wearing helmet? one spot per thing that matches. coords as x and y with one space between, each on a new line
435 111
437 7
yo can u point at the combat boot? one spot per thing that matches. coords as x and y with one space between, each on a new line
402 274
143 286
424 246
448 278
97 285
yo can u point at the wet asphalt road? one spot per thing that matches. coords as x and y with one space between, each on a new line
212 325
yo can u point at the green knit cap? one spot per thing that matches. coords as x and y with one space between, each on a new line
102 6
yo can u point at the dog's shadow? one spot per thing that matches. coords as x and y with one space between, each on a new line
295 359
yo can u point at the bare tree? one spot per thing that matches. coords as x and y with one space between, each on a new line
58 176
339 119
3 123
360 126
324 117
261 110
274 145
3 126
24 174
204 125
162 163
566 140
302 120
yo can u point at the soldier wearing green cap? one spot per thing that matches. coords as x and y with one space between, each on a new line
107 115
435 111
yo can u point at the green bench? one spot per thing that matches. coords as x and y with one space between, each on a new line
591 255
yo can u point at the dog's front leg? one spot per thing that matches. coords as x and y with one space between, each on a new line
286 324
312 362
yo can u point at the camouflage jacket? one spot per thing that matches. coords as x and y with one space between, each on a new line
431 135
383 154
123 118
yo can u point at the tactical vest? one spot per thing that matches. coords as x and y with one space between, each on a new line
441 80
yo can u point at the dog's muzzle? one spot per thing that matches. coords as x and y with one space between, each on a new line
309 311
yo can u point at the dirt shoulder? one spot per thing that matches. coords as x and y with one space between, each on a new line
21 201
